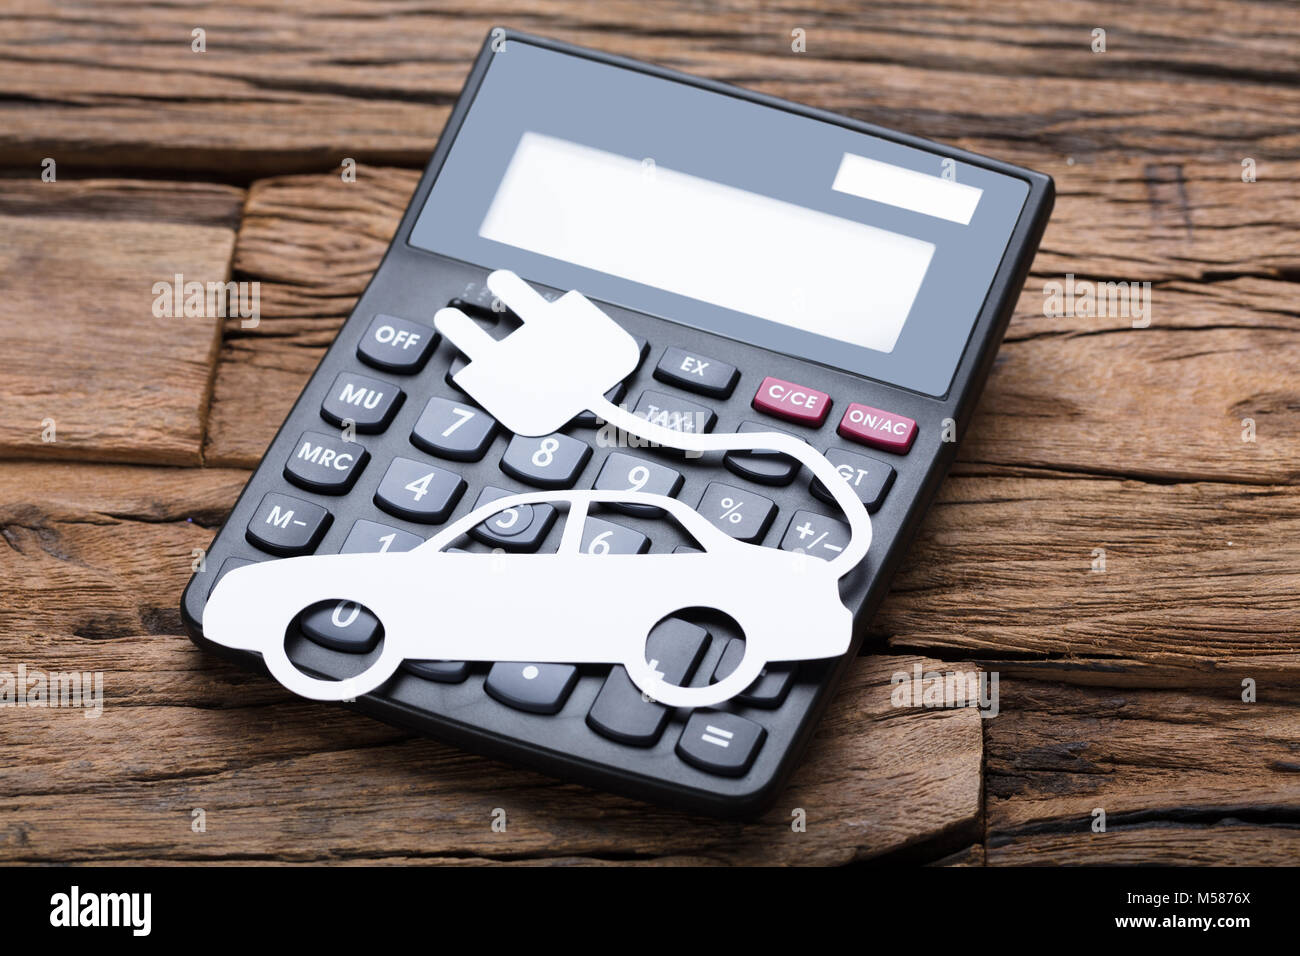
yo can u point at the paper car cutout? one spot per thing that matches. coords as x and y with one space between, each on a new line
566 607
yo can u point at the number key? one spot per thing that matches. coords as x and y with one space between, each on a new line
606 537
553 461
453 430
622 472
371 537
418 491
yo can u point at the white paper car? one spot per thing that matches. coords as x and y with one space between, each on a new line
565 607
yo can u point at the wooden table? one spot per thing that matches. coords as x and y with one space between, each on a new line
1120 689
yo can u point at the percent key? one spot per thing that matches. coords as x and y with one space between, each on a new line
740 513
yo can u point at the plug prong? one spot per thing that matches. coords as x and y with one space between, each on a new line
522 299
463 332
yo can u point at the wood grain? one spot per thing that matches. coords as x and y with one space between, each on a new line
81 345
95 558
296 87
1183 778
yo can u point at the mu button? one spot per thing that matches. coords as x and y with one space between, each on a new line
325 463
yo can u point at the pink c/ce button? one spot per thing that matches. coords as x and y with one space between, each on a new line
795 403
879 429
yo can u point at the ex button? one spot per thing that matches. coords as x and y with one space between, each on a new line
795 403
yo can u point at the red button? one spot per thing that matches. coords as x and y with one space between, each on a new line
797 403
877 428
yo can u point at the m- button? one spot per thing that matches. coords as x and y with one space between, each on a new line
795 403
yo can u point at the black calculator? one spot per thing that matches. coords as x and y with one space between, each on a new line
790 270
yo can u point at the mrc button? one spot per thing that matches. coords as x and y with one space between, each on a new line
397 345
325 463
795 403
877 428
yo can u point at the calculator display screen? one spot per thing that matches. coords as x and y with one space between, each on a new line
707 240
760 224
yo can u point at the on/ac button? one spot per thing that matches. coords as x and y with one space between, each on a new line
877 428
795 403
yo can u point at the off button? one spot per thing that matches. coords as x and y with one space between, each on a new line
794 403
397 345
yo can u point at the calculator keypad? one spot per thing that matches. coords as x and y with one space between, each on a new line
453 429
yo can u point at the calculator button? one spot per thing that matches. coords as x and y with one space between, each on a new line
286 526
418 491
669 411
722 743
536 688
869 478
341 626
620 711
605 537
444 672
553 461
454 430
227 566
769 688
589 419
397 345
763 466
740 513
521 528
696 373
795 403
366 402
325 463
371 537
879 429
814 534
622 472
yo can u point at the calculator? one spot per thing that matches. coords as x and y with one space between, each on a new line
780 269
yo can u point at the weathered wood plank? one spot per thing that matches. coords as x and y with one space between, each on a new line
1183 778
1198 586
95 560
300 86
81 345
